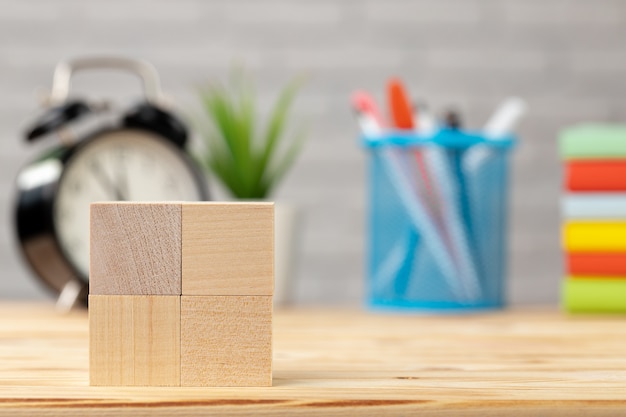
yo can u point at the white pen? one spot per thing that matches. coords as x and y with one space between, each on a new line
503 122
506 117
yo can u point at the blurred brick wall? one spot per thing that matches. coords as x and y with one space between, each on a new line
567 58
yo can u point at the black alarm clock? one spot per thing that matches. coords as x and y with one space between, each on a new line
138 154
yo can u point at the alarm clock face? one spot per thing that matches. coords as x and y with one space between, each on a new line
117 165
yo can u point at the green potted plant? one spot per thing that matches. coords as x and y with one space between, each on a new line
247 156
250 156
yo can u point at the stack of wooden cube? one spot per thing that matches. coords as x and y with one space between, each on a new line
181 294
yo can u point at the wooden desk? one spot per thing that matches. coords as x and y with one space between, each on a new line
346 363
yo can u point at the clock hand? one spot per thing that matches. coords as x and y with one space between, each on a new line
104 181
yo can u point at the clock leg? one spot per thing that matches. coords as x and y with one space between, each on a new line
69 296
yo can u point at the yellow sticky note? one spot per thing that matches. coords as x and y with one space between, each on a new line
594 236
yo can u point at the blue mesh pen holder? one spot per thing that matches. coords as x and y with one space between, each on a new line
438 220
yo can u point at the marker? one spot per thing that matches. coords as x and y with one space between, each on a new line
402 113
404 117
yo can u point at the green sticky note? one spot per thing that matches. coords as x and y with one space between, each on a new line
593 141
594 295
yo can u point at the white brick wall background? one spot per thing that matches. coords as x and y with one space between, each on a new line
567 58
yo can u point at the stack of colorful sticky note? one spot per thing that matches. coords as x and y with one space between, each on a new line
594 213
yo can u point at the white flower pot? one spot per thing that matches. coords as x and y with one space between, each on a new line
287 222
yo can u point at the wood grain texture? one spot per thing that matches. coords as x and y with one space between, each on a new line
228 249
226 341
135 249
531 362
134 340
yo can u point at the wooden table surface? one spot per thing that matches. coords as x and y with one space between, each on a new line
534 362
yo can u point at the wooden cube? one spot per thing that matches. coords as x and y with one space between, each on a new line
181 293
228 249
135 249
226 341
134 340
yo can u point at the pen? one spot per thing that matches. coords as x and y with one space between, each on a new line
505 118
459 214
452 120
501 123
481 163
444 182
394 274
